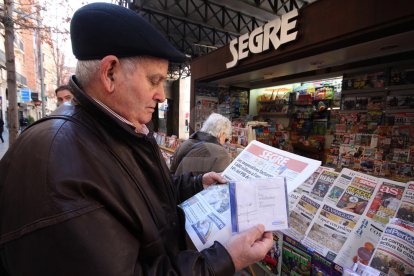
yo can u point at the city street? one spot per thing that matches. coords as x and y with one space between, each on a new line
4 146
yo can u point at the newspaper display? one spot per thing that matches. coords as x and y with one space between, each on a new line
301 217
352 191
259 160
406 209
329 230
306 187
293 198
360 244
386 201
207 216
394 254
323 183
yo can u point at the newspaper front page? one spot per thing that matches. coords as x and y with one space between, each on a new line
360 244
394 254
386 201
406 209
259 160
322 184
329 230
301 217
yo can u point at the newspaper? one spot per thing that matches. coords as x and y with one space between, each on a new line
301 217
352 191
322 184
207 216
386 201
306 186
394 254
406 209
259 160
360 244
329 230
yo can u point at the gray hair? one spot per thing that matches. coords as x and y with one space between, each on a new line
215 124
86 70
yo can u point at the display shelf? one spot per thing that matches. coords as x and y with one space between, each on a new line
276 114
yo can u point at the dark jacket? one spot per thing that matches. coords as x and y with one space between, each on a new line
201 153
86 195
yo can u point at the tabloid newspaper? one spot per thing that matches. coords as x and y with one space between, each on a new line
394 254
208 216
259 160
406 210
352 191
323 183
329 230
301 216
306 186
386 201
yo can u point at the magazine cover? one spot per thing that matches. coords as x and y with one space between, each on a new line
386 201
394 254
296 259
273 259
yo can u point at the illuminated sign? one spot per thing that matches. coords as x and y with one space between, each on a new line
275 32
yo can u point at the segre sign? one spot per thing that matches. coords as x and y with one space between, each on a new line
259 39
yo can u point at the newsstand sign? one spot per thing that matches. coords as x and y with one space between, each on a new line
275 31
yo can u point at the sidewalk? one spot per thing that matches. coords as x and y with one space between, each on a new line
4 146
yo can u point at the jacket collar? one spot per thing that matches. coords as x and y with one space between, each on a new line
204 136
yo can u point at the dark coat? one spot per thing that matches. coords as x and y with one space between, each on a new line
86 195
201 153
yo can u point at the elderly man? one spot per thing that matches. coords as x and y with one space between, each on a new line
85 191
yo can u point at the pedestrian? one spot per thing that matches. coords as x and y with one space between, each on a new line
1 129
64 95
85 191
203 151
23 121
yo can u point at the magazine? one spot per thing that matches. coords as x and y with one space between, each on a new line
394 254
258 201
259 160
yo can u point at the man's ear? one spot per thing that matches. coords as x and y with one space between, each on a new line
109 67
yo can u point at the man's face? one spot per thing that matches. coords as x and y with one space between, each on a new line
138 93
63 96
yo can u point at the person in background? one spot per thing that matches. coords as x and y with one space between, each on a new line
23 121
64 94
203 151
85 191
1 129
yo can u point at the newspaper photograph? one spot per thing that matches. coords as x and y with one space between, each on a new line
323 183
406 209
259 160
207 216
386 200
329 230
306 186
342 182
301 217
394 254
360 243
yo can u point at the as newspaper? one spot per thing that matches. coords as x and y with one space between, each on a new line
208 216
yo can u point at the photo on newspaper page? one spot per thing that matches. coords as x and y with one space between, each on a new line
259 160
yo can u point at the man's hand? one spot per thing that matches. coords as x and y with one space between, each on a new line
212 178
249 247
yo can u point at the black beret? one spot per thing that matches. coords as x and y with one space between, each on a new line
101 29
